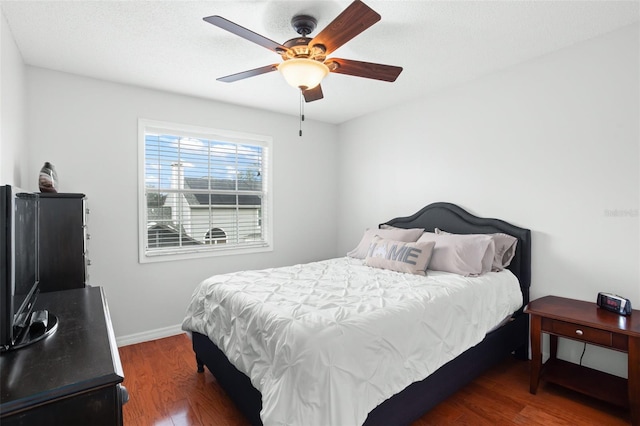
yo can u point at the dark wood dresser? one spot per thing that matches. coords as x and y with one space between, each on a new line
63 241
72 377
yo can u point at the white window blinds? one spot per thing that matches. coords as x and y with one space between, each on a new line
205 192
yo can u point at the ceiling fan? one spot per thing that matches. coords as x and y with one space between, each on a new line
305 61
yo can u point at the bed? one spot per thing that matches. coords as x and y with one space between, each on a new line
412 399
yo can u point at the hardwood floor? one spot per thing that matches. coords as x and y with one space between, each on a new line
166 390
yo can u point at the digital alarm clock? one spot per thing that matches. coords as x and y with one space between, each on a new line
614 303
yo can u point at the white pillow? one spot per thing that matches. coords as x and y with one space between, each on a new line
397 234
412 258
505 249
467 255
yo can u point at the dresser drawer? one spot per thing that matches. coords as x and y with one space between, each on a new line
578 332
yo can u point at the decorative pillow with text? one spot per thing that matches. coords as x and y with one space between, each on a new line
400 256
397 234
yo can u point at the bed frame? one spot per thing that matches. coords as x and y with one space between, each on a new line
419 397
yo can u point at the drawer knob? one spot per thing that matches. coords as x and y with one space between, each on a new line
579 332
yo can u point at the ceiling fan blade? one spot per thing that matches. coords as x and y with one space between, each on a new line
314 94
245 33
249 73
352 21
364 69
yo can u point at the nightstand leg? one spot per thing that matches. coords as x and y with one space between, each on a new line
536 352
553 346
634 379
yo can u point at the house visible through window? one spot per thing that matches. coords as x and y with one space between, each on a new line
203 192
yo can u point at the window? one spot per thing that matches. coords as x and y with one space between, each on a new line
215 236
203 192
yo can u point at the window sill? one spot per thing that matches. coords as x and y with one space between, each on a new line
154 257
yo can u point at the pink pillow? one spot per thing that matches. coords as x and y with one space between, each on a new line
467 255
505 249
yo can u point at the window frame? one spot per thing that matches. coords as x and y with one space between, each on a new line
207 250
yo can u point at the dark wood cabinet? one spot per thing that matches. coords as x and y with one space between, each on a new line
585 322
63 242
73 376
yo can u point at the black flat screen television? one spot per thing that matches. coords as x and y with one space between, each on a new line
19 276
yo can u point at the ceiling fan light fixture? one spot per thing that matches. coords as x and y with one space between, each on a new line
303 73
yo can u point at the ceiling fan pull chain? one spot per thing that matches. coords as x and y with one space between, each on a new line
301 112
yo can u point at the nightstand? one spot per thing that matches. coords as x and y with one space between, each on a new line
585 322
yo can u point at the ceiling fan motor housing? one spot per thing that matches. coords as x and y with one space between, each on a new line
299 48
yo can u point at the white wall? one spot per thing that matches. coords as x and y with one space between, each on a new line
551 145
13 146
88 129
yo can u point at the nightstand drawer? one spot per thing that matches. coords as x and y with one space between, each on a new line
579 332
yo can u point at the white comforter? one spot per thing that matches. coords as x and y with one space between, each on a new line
326 342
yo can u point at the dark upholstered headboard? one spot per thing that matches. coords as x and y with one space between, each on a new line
451 218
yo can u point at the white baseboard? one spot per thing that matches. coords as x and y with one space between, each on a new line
146 336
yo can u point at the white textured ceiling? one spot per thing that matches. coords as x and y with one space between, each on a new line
166 45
